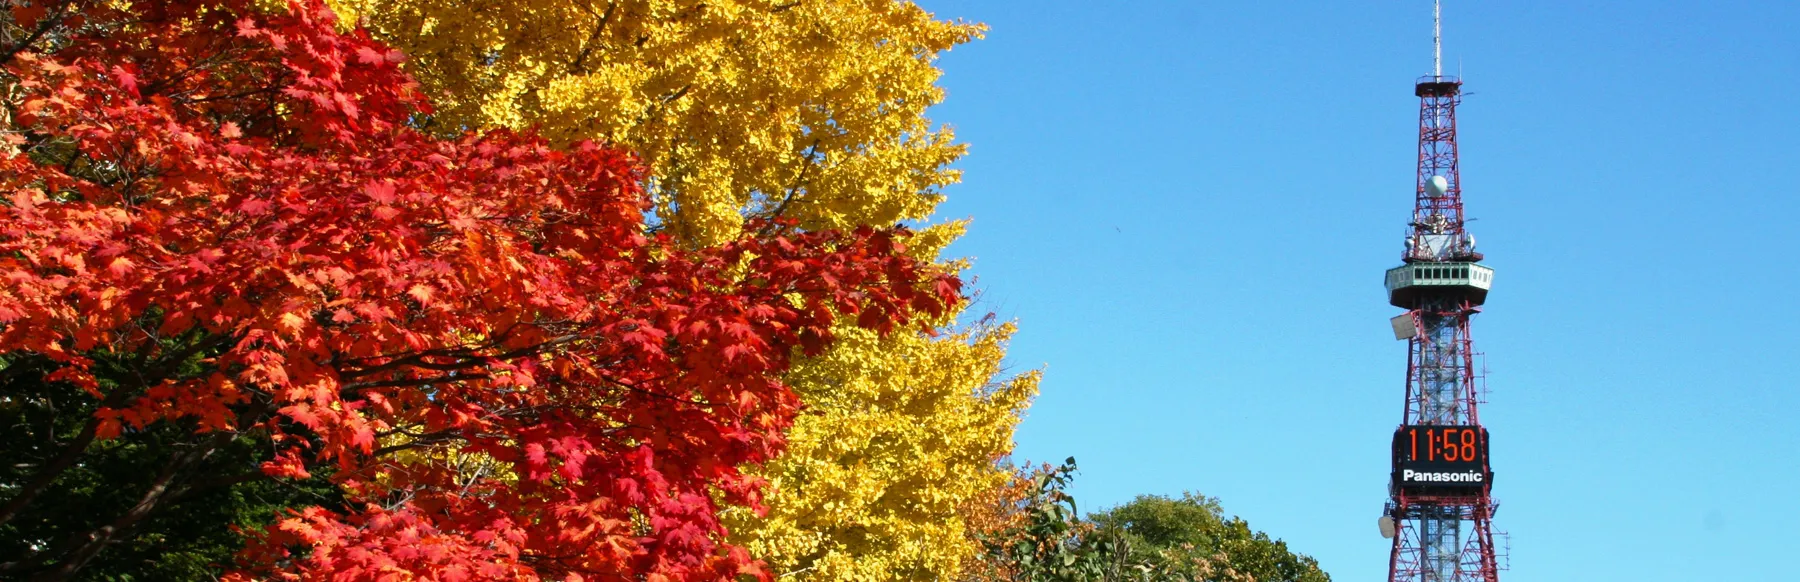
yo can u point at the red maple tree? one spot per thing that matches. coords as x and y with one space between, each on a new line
241 204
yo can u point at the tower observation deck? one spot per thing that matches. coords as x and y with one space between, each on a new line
1440 507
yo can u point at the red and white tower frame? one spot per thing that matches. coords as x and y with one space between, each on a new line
1440 505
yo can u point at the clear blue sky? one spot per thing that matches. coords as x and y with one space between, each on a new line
1188 207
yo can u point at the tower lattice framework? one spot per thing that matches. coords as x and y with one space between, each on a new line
1440 506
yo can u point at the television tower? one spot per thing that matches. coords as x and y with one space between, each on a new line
1440 507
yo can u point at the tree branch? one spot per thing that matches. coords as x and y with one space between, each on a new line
587 48
61 463
812 152
44 27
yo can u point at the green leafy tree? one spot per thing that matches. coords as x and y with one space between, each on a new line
192 538
1043 541
1035 534
1190 538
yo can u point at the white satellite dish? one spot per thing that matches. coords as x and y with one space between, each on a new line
1387 526
1437 186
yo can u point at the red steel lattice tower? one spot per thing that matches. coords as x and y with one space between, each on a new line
1440 505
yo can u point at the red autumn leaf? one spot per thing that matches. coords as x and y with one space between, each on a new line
370 56
381 192
28 16
126 79
119 267
420 293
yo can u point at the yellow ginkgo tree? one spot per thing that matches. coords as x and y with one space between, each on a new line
813 109
902 435
808 110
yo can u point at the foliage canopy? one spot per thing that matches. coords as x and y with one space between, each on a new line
224 237
748 109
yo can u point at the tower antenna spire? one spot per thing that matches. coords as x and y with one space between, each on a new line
1437 38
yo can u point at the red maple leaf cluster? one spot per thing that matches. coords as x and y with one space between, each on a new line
250 193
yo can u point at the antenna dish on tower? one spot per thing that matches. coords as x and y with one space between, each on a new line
1437 187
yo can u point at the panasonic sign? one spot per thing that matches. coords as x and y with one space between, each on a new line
1421 477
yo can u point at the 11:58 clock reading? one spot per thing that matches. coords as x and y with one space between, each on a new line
1443 443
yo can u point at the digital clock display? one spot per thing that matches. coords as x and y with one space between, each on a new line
1441 456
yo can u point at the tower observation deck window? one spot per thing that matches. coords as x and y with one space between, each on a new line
1454 280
